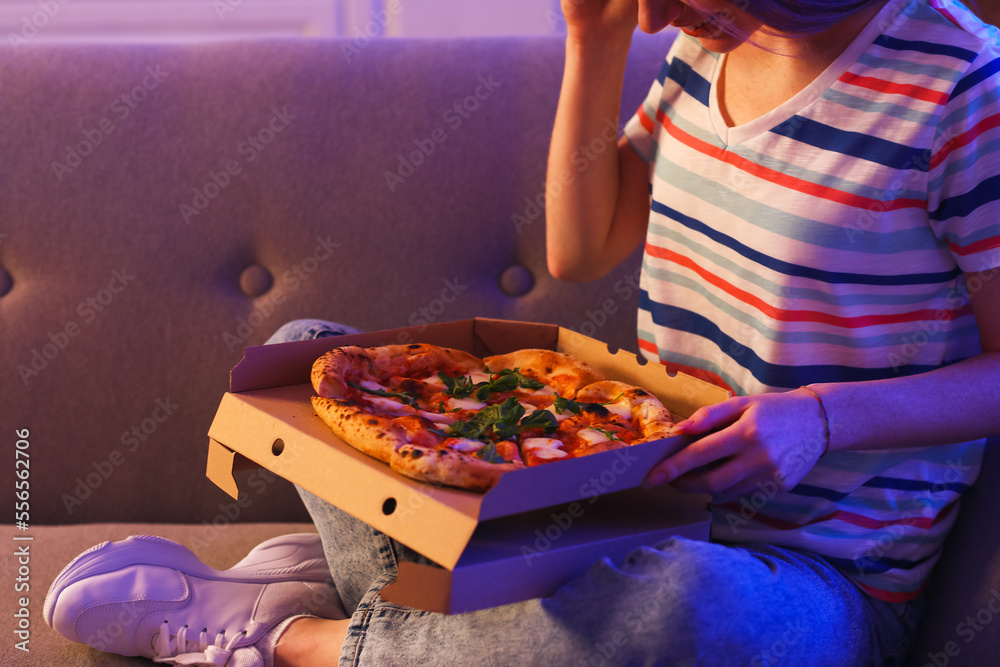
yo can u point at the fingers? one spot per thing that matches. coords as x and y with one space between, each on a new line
698 454
712 417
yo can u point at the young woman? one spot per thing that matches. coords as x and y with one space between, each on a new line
815 185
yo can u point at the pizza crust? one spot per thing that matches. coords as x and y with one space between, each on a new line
652 417
373 434
445 466
331 372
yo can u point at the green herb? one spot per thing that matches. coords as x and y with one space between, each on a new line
505 380
489 454
607 434
405 396
563 404
523 381
542 419
503 421
458 387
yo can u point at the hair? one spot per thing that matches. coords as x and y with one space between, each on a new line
795 17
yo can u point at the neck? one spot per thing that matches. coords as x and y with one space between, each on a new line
810 52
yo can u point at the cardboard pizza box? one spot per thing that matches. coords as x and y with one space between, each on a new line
535 530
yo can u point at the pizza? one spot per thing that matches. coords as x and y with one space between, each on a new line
445 416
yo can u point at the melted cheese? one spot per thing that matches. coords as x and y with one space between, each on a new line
528 407
479 376
620 410
389 405
465 445
544 448
592 437
565 414
371 385
465 404
436 417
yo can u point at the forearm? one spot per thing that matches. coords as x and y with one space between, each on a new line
952 404
583 160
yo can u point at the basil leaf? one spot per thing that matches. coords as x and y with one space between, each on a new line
563 404
542 419
467 429
458 387
482 391
405 396
523 381
489 454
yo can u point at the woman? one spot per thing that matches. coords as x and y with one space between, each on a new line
815 186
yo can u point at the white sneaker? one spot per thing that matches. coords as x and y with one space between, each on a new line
152 597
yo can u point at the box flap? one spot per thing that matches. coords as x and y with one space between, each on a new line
680 393
574 479
502 336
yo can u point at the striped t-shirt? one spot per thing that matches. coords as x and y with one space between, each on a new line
826 241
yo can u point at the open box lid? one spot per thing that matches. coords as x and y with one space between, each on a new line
267 417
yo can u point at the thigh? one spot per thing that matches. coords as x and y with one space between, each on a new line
680 602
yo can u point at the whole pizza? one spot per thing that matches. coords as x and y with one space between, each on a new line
445 416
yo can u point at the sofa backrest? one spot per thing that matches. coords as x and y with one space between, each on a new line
165 205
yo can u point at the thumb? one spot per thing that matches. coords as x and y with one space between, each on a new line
712 417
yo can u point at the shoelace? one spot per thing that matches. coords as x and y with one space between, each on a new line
207 654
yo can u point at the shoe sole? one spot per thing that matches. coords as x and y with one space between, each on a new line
161 552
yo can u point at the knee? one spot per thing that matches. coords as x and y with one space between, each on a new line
308 329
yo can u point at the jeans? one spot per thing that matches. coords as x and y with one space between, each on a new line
678 602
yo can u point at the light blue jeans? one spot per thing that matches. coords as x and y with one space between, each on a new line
679 602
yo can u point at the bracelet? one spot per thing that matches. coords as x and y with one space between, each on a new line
826 422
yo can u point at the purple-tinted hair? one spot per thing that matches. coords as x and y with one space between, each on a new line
796 17
802 18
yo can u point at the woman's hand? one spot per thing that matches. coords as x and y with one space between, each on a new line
600 19
771 438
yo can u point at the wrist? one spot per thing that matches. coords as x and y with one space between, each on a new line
824 417
586 46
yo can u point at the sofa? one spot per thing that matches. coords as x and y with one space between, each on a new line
165 205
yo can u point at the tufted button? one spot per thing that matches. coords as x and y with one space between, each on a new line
255 281
516 280
6 282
